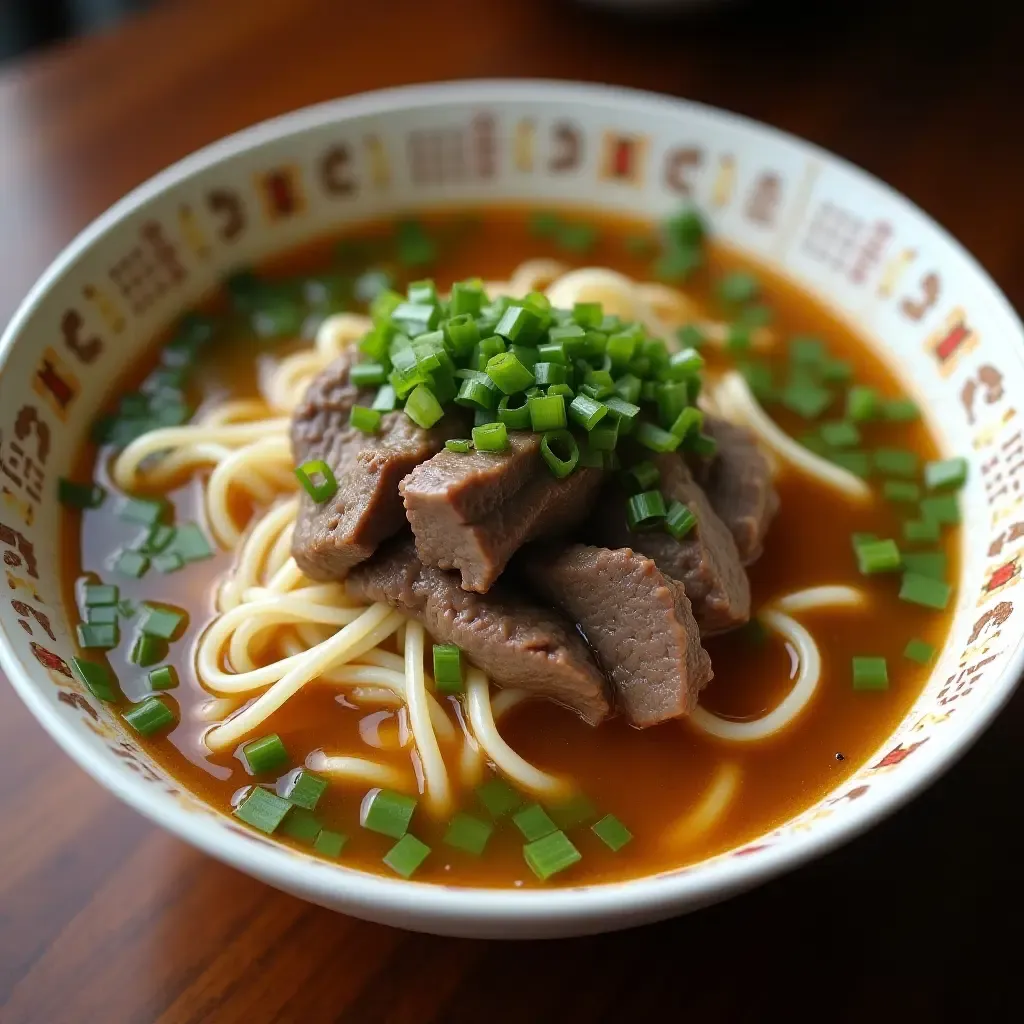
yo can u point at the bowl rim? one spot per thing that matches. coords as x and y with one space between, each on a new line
596 906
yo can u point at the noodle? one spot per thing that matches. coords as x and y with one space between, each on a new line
439 796
359 769
710 810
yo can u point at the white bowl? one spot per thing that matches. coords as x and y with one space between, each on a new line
865 250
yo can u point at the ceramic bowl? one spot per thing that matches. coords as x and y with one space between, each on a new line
869 253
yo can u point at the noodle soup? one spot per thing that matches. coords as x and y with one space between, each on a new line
289 680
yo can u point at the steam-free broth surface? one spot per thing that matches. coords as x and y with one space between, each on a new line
649 779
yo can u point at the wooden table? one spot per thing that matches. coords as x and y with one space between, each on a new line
105 919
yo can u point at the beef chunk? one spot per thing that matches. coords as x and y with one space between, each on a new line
367 508
473 512
738 483
705 561
637 620
515 642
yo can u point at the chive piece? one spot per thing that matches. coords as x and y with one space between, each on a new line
508 373
387 812
364 375
645 510
555 442
406 855
490 437
807 351
806 399
643 476
162 622
738 286
587 412
80 496
515 417
131 563
926 563
468 833
365 419
840 434
263 810
301 825
170 561
862 403
517 323
475 394
142 510
656 439
329 844
148 650
627 387
498 797
870 674
322 490
605 436
547 413
550 855
687 423
534 823
921 530
901 490
896 462
549 374
105 614
459 445
157 539
126 608
625 412
163 678
306 789
900 410
836 371
760 380
611 832
941 508
945 474
448 668
919 650
577 238
96 594
266 754
925 590
422 407
386 400
98 679
98 636
190 543
686 363
680 520
577 810
878 556
858 463
149 717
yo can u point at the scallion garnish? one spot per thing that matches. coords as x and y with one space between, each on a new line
898 462
305 789
163 678
656 439
941 508
468 833
459 445
870 673
102 636
642 476
534 822
515 417
919 650
645 510
98 679
387 812
301 825
148 650
498 797
405 857
96 594
548 856
945 474
925 590
490 437
611 832
680 520
264 755
150 717
558 448
448 668
320 490
878 556
330 844
263 810
365 419
162 622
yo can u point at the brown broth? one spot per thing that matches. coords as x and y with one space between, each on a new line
646 778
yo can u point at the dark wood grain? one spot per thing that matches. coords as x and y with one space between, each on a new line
105 919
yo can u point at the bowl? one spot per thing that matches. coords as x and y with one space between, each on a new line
867 252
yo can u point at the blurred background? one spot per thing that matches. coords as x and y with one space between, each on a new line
27 25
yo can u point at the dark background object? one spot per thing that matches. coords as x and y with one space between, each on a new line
106 919
27 25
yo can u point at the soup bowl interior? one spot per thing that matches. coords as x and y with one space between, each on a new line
867 253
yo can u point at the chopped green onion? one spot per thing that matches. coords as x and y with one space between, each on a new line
266 754
508 373
926 563
703 446
263 810
561 465
678 263
322 490
862 403
422 407
490 437
131 563
533 822
163 678
686 363
738 339
625 412
467 298
475 394
552 353
807 351
878 556
387 812
577 237
836 371
896 462
148 650
620 348
586 411
941 508
330 844
685 229
498 797
515 417
158 538
738 286
588 314
921 530
658 440
919 651
190 543
102 615
305 789
870 674
577 810
405 857
365 419
458 444
448 668
386 399
945 474
102 636
806 399
925 590
98 679
171 561
900 410
364 375
162 622
550 855
149 717
642 476
840 434
96 594
858 463
468 833
598 384
415 319
142 510
611 832
688 422
301 825
645 510
80 496
680 520
517 323
605 436
547 374
627 387
901 490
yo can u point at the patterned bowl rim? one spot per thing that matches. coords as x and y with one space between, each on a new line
579 909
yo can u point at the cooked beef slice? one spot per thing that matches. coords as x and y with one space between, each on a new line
705 561
515 642
636 619
738 483
473 512
332 537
